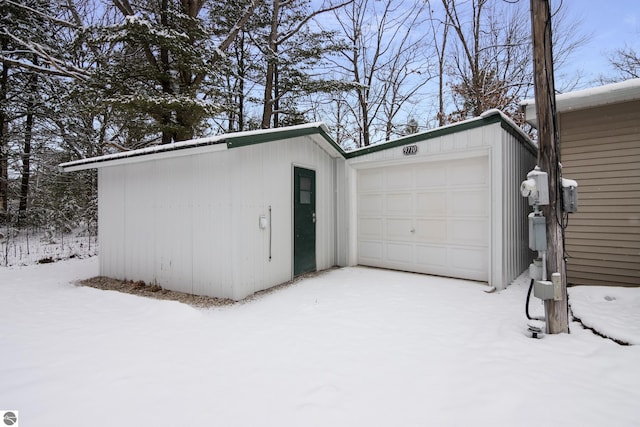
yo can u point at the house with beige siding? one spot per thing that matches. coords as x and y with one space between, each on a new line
599 132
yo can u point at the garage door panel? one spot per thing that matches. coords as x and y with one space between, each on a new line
468 203
370 250
431 203
397 178
433 175
431 256
398 203
371 228
398 228
369 180
466 231
431 230
470 263
432 218
370 204
400 253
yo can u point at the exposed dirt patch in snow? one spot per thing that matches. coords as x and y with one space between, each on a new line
143 289
140 288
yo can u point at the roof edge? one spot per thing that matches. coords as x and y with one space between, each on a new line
492 116
243 140
214 143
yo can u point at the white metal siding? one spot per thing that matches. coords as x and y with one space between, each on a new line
111 222
191 223
516 161
163 221
264 177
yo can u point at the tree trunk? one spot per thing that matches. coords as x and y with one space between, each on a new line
26 152
441 63
168 132
267 111
26 162
4 138
276 93
364 110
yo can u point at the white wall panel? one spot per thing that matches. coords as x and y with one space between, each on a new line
517 160
111 222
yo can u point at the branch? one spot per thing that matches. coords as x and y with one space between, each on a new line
36 68
42 14
60 69
311 16
230 38
239 25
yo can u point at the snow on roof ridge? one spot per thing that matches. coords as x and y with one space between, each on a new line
606 94
508 120
208 140
484 115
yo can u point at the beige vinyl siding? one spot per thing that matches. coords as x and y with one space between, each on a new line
600 148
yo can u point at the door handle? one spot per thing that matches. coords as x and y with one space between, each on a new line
313 217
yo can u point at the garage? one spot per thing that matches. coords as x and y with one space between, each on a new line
429 218
443 202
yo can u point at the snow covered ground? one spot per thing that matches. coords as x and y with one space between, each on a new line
24 247
352 347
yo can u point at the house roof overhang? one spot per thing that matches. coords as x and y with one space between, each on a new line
628 90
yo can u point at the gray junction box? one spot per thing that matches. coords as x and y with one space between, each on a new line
569 199
537 232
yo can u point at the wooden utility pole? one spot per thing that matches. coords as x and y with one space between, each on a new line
549 158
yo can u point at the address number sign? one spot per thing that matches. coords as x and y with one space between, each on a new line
409 150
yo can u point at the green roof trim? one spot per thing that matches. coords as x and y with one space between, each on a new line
247 138
259 138
491 117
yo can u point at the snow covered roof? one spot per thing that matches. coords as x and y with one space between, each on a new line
628 90
209 144
318 131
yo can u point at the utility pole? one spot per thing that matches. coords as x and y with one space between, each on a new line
549 158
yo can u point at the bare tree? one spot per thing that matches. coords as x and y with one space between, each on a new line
490 59
290 43
626 63
387 61
440 31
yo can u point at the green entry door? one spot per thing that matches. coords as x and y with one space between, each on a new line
304 221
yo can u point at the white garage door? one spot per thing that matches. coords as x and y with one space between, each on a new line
428 218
